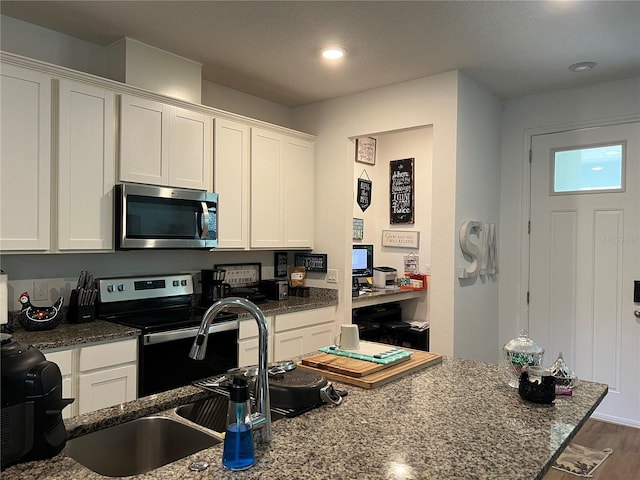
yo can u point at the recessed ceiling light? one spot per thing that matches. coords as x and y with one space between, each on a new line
596 169
333 53
582 66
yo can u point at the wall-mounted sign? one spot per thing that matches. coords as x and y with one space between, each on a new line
398 238
366 150
280 260
401 191
312 262
358 228
364 193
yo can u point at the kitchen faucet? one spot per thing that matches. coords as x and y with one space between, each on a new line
261 419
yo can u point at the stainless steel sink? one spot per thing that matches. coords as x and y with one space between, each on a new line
138 446
211 413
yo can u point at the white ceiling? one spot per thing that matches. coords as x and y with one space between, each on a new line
270 49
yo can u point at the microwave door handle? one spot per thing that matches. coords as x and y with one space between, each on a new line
204 220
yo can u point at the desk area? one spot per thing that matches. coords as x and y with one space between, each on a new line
379 316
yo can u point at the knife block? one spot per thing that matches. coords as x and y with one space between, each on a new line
79 313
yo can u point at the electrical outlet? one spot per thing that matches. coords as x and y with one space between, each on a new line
40 290
427 269
332 275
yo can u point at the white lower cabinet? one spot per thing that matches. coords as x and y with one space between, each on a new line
300 333
98 376
64 360
107 375
248 342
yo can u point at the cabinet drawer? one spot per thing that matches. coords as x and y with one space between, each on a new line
307 318
108 354
63 359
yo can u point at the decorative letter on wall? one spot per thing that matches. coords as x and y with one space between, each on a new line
483 259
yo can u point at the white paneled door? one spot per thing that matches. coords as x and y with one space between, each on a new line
585 256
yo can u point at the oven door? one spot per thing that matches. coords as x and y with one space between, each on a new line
164 362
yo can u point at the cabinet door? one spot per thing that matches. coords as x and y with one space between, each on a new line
86 167
64 360
266 190
231 183
288 345
190 160
144 141
25 159
105 388
298 205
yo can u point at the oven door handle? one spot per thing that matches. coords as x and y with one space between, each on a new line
163 337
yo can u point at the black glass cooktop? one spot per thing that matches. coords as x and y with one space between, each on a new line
168 320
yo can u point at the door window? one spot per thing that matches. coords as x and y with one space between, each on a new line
589 169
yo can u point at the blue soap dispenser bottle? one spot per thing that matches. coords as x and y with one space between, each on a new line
239 451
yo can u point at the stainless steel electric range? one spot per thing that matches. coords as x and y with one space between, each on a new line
161 306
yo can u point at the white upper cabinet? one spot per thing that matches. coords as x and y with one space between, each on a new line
282 208
164 145
25 160
144 141
266 189
190 159
231 182
298 204
86 167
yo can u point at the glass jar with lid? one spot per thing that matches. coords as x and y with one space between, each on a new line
521 352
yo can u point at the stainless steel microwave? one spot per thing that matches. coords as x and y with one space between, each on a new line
148 216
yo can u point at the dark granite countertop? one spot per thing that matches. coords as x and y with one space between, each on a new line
69 335
455 420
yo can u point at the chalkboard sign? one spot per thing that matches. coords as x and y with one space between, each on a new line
401 191
364 193
313 262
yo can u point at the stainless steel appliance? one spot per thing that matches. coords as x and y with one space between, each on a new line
159 217
161 307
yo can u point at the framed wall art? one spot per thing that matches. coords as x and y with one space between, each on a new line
366 150
401 191
399 238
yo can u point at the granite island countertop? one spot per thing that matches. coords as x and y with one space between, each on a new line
454 420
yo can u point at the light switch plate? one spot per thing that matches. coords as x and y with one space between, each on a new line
332 275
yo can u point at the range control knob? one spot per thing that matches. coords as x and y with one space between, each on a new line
121 287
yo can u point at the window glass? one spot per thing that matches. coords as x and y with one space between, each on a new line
589 169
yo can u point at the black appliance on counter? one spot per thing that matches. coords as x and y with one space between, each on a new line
213 286
161 306
32 403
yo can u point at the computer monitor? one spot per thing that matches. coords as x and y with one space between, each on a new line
362 261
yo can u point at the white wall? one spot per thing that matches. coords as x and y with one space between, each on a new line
426 101
414 143
522 117
230 100
477 198
49 46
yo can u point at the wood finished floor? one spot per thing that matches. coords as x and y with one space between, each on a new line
622 464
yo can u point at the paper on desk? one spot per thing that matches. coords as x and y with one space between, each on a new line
418 324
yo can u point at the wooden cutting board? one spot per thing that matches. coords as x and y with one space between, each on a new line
417 361
351 367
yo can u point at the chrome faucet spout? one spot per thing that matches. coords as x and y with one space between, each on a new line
262 421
